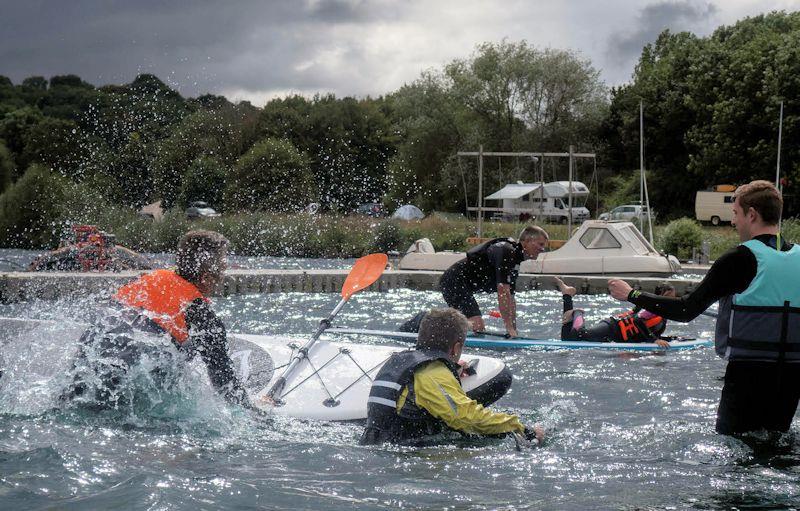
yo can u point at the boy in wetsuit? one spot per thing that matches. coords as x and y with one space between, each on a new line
637 325
171 304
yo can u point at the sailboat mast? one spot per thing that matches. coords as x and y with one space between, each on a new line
644 198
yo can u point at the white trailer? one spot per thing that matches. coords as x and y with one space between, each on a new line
548 202
714 207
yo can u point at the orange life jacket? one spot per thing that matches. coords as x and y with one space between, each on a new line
164 296
630 323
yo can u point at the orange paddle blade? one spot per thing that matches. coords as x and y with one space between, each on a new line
365 271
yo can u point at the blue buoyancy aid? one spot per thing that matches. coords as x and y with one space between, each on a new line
384 421
763 322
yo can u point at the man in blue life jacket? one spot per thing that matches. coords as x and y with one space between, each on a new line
758 328
492 266
417 393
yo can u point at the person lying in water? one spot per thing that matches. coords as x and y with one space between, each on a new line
172 306
417 393
636 325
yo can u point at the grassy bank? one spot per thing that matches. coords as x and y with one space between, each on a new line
334 236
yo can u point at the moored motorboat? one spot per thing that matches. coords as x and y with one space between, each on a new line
597 248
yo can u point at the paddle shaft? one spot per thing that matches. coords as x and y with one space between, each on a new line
302 353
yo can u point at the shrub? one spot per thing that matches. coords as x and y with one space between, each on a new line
387 236
203 181
272 176
30 210
680 236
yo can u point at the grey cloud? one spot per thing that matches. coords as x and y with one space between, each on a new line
624 49
200 46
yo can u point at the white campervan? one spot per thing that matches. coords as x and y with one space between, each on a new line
548 202
715 206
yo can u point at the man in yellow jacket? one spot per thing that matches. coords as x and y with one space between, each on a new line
417 393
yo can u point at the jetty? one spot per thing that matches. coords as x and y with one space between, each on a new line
26 286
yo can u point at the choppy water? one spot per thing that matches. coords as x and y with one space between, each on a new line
16 260
625 432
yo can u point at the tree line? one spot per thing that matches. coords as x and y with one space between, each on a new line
711 116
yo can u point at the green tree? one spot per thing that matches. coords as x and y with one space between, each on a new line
6 167
272 176
204 181
30 209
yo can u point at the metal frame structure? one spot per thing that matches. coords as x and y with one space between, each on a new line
536 157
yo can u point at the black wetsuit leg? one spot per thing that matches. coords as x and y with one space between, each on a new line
576 329
758 395
457 292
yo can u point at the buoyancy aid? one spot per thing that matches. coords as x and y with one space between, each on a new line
479 251
635 328
384 421
763 322
164 297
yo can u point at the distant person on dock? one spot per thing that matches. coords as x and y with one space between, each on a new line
170 304
417 393
492 266
637 325
758 328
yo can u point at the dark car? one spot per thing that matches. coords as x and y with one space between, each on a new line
373 209
200 209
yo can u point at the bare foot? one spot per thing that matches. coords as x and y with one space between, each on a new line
565 289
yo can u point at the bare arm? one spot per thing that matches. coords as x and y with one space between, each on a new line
508 308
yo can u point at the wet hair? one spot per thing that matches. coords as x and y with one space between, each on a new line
199 253
764 198
532 231
441 329
663 289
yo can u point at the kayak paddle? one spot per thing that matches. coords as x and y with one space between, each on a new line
365 271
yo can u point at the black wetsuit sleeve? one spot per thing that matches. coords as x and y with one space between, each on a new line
730 274
208 337
501 257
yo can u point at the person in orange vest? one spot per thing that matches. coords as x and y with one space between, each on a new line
172 304
636 325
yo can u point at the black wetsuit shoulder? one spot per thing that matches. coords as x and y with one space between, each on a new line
208 338
730 274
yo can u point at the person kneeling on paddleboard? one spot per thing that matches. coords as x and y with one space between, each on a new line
172 304
417 393
637 325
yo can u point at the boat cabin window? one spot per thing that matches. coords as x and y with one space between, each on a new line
635 239
598 237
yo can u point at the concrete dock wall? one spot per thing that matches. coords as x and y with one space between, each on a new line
24 286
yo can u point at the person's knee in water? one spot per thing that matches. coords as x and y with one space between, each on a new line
417 393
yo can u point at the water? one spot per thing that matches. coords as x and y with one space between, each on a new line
17 260
625 432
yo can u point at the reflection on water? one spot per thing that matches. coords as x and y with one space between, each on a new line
625 432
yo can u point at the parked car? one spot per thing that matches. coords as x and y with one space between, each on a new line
373 209
200 209
714 206
627 212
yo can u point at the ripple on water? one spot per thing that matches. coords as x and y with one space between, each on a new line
624 432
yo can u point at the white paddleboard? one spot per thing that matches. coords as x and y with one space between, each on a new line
334 382
331 384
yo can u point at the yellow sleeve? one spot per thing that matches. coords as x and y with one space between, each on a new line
438 392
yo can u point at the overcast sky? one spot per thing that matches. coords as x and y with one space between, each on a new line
259 49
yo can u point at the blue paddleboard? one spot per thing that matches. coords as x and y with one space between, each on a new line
496 341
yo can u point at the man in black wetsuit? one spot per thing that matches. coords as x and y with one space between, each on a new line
170 304
492 266
758 328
